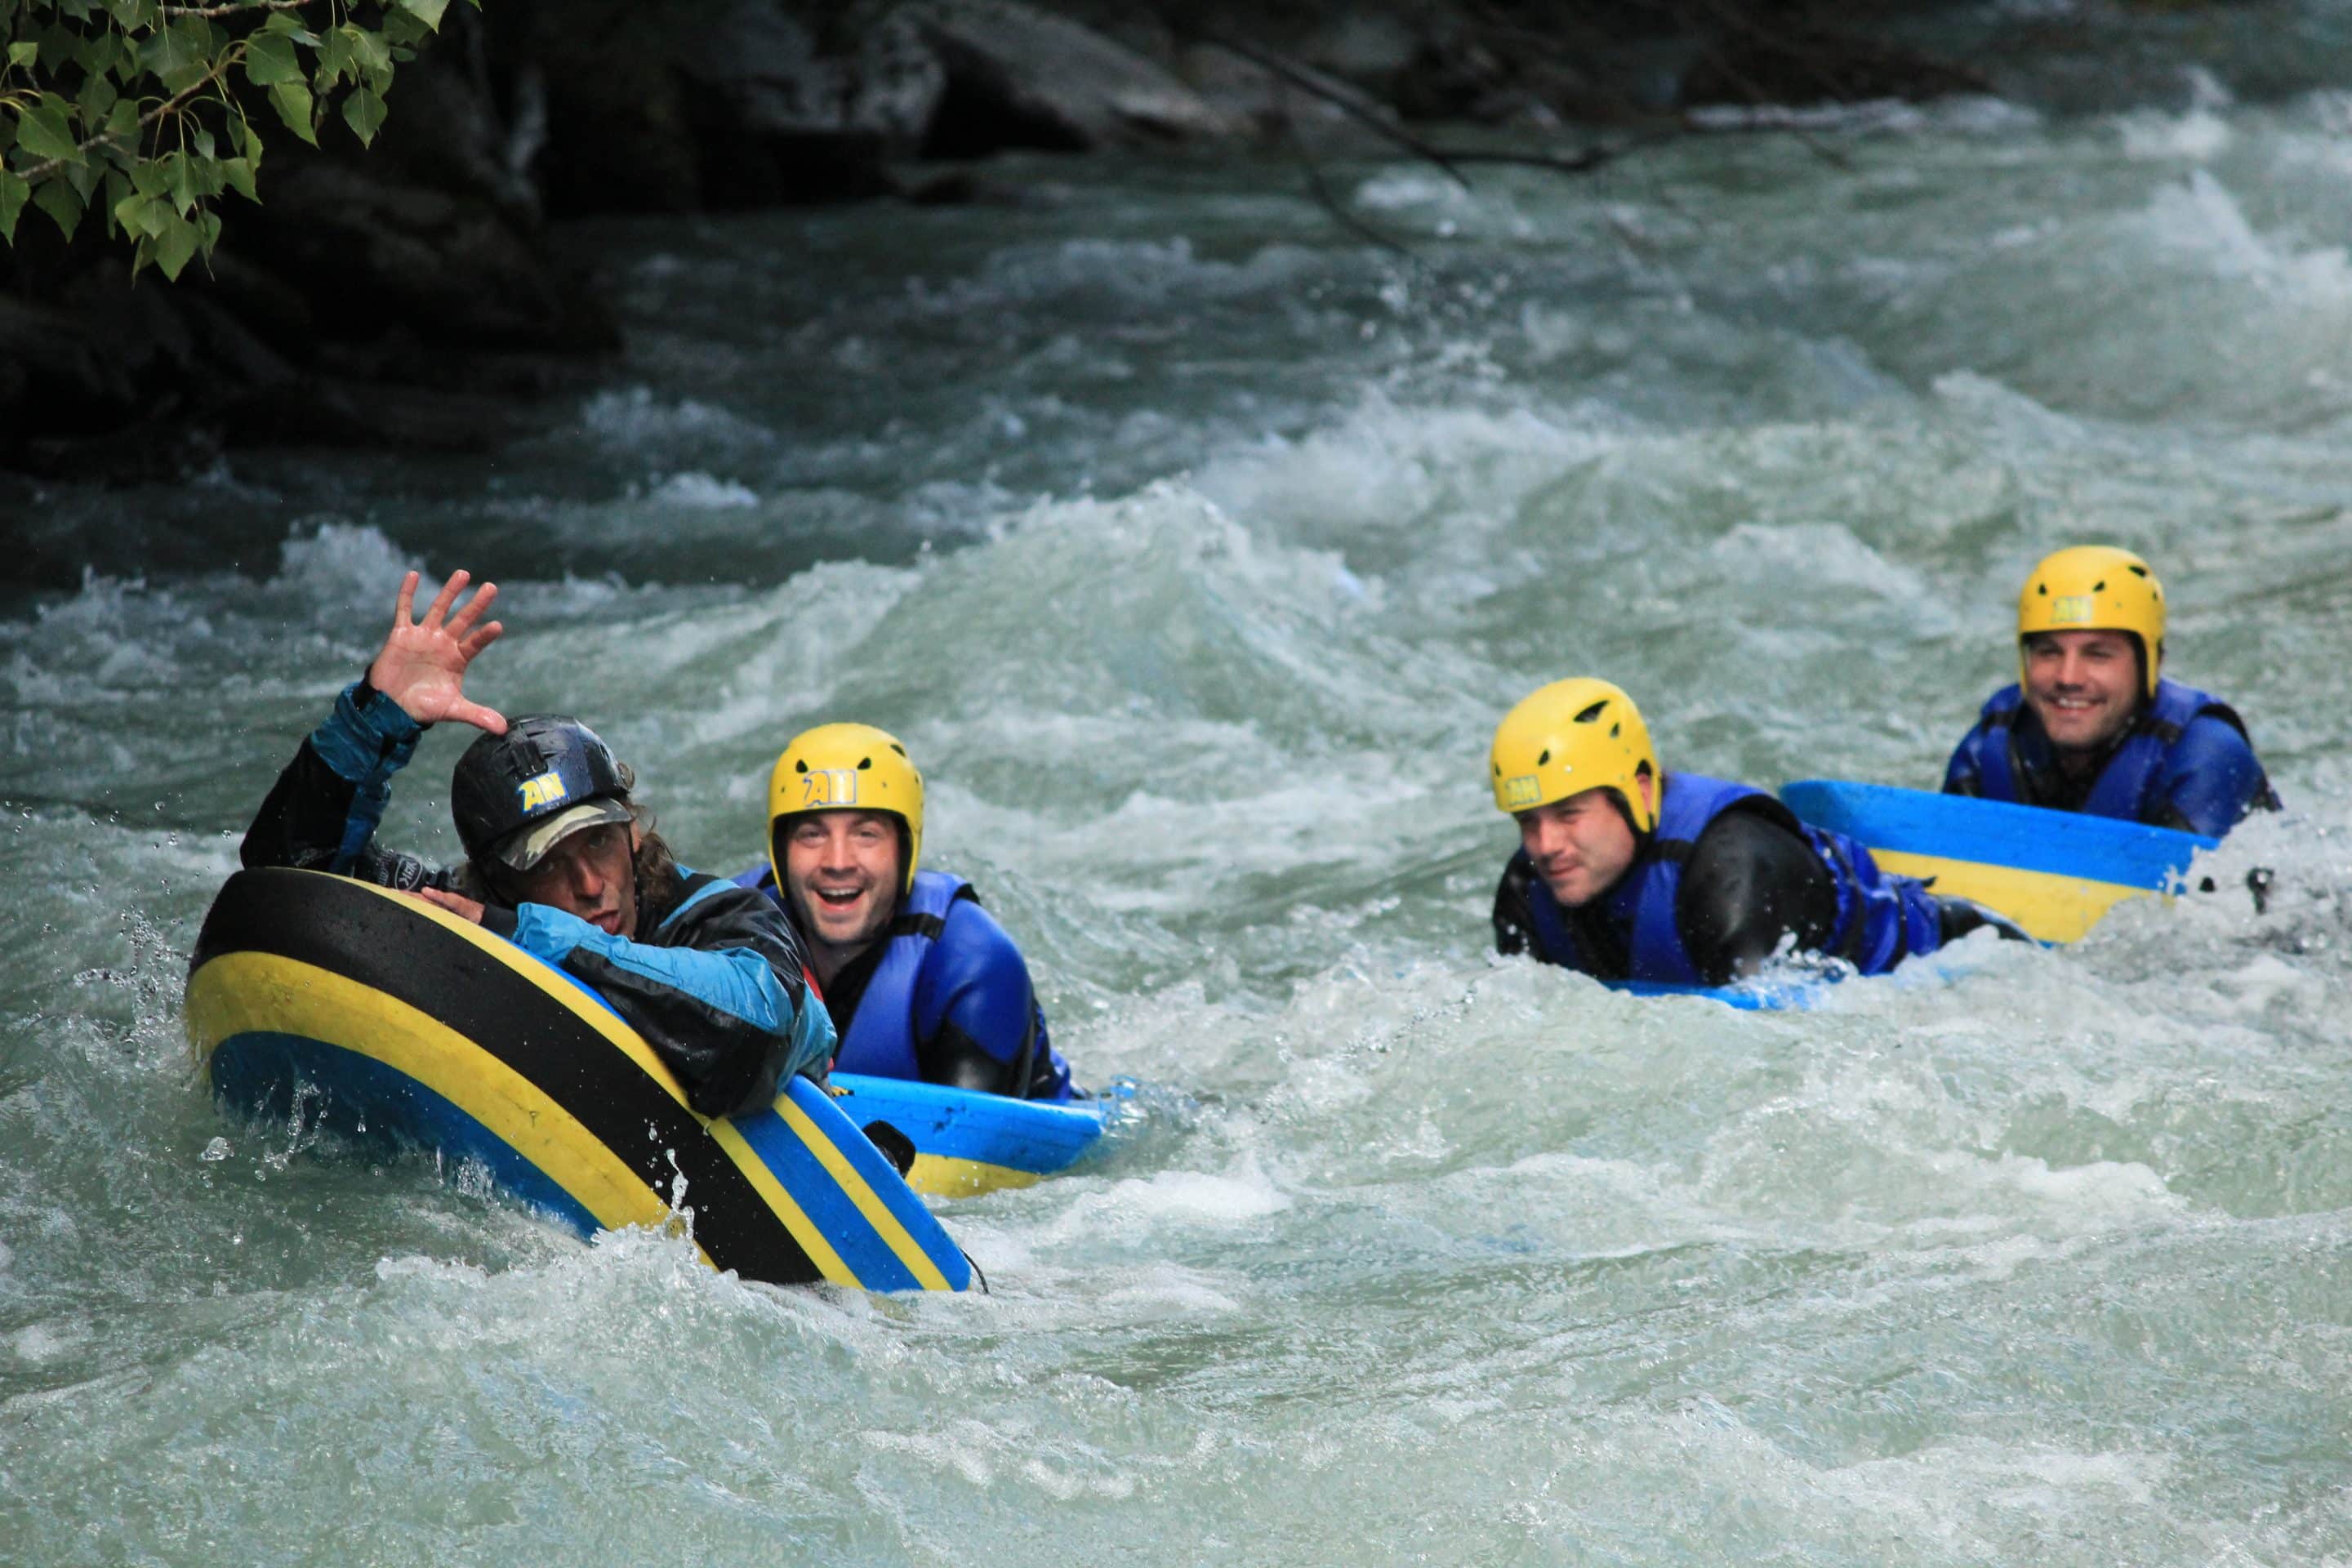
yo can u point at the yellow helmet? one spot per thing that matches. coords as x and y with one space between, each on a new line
2096 587
846 767
1572 736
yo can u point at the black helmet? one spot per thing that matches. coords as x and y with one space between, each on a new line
547 774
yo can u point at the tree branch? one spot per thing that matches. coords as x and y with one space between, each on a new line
236 7
220 68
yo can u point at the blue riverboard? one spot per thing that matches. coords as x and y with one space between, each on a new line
405 1023
968 1142
2052 872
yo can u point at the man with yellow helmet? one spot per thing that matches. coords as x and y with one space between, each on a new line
2092 725
920 981
1626 872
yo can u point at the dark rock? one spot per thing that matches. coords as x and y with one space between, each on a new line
1813 65
1017 76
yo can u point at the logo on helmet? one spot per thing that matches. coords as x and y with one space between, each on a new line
1521 791
828 786
547 789
2073 609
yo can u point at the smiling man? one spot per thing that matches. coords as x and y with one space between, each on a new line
2093 725
560 861
1626 872
922 982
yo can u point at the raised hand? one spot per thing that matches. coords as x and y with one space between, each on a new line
422 666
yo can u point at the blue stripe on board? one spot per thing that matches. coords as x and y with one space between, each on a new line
1997 832
1767 996
964 1124
256 1073
799 1172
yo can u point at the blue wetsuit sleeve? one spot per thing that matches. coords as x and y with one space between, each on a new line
2212 779
718 991
977 1023
322 814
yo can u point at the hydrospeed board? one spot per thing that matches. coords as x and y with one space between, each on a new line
967 1141
414 1024
2052 872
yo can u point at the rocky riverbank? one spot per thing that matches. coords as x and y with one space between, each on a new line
416 295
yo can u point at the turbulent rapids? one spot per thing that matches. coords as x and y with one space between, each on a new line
1196 546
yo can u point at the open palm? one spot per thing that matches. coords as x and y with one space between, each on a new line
422 665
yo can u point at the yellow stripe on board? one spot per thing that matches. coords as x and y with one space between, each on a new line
261 993
796 1220
2051 908
877 1213
946 1176
558 990
627 1040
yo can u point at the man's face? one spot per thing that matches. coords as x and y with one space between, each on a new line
841 872
590 873
2082 686
1581 845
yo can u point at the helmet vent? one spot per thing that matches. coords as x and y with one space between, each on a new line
897 748
801 766
2136 571
1615 731
2043 589
1592 714
864 763
1544 758
2100 586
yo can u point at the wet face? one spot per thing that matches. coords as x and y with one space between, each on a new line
842 873
592 874
1581 845
2084 686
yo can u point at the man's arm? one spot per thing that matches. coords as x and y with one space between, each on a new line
977 1023
1750 882
2215 779
322 814
718 990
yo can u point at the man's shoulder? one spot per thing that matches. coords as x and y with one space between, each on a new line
969 933
701 901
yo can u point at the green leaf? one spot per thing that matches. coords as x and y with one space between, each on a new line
292 101
286 24
13 192
57 198
131 215
252 140
363 112
24 54
239 173
82 177
183 181
334 59
206 147
269 59
180 55
367 48
208 227
44 131
135 14
118 188
427 11
149 179
174 247
123 122
400 30
97 100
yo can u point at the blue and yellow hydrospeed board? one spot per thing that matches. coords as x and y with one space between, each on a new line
416 1026
2052 872
966 1141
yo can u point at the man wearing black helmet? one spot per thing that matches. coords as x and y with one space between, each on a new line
559 861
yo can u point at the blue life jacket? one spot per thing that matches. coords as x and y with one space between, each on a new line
2135 784
1881 918
880 1040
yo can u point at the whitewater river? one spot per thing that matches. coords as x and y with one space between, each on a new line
1195 545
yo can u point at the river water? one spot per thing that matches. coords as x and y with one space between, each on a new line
1195 546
